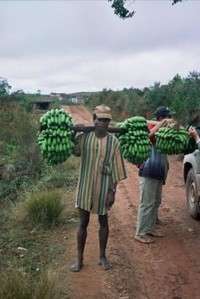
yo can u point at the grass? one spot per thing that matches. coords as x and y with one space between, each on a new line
17 285
60 176
35 237
44 207
32 257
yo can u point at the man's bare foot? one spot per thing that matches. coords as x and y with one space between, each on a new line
104 263
155 233
144 239
160 222
76 267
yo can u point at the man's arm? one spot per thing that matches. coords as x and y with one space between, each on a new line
111 196
164 122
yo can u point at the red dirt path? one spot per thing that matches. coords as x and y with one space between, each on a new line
169 268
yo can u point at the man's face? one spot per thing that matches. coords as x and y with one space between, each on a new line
165 116
101 124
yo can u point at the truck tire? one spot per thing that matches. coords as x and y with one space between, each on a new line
192 197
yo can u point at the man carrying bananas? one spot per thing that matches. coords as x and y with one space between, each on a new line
101 168
152 176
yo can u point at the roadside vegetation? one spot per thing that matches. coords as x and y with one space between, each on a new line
37 211
35 225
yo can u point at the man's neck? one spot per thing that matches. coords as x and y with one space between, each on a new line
100 134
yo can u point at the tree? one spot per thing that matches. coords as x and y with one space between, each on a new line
4 87
191 95
120 9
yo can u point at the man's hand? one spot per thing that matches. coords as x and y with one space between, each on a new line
110 200
194 134
79 127
167 121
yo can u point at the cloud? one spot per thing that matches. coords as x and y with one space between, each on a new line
71 46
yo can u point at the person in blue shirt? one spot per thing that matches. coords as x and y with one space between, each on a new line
152 177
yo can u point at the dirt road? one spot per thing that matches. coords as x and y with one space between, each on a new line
169 268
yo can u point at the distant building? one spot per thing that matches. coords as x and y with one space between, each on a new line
42 102
76 100
57 96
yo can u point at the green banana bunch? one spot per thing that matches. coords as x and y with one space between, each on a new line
172 141
135 143
55 134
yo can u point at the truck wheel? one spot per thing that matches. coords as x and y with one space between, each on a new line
192 197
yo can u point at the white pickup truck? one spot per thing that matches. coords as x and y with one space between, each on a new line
191 175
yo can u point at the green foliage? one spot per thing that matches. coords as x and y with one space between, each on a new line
44 207
59 176
4 87
125 104
11 189
120 9
176 1
20 158
4 216
18 128
180 94
191 93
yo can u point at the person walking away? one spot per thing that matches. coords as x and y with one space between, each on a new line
101 168
152 177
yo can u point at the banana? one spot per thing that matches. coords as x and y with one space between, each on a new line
171 141
54 138
136 138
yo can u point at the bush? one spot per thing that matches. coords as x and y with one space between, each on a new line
44 207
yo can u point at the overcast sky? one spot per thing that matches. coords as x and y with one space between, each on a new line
73 46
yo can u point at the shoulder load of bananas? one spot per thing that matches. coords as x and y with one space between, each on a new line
172 141
135 142
55 134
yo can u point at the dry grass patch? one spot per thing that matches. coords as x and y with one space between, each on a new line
17 285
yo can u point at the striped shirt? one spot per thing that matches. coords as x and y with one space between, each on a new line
101 166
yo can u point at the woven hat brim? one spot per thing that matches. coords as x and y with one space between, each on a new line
104 115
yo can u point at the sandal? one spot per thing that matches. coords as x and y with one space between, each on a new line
154 233
144 239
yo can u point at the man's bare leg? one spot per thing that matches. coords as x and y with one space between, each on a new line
103 238
84 217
